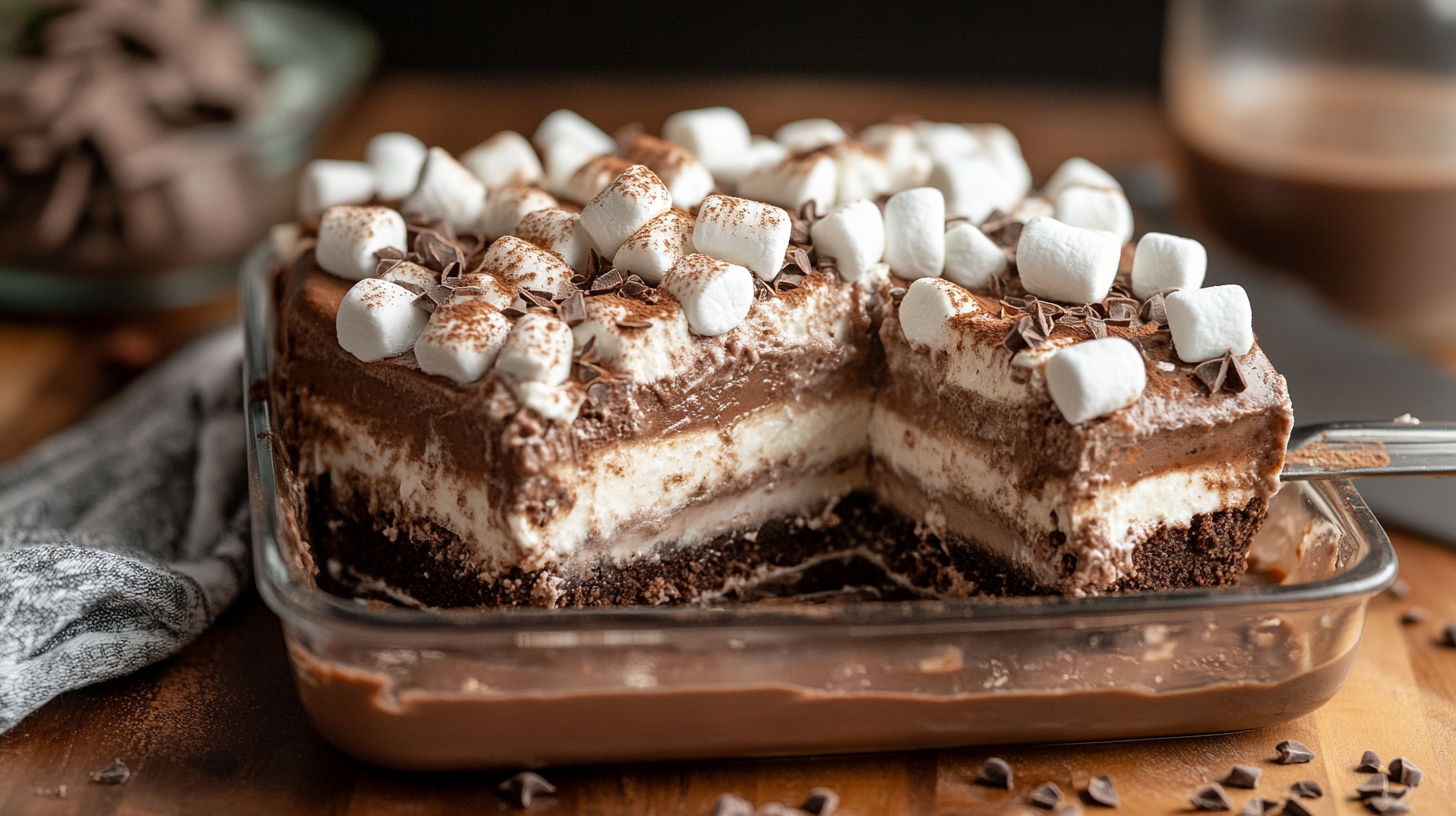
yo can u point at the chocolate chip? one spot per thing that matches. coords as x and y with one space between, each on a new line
114 774
728 804
1101 792
1293 753
1047 796
1307 789
995 773
1369 762
1155 311
1244 776
897 294
1258 807
1212 797
520 789
1293 807
1404 771
573 309
1387 805
821 802
1377 785
634 324
1448 635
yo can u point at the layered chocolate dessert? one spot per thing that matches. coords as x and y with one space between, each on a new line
873 367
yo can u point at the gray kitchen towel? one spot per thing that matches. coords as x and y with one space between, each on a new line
124 537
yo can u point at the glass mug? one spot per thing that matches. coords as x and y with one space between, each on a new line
1321 135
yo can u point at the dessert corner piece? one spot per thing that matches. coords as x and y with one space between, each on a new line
571 371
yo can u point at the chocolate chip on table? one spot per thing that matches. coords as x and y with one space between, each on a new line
995 773
1387 805
114 774
1101 792
1244 776
1047 796
1448 635
1211 797
1293 807
1377 785
1405 772
1070 809
1412 616
520 789
1307 789
1369 763
1293 753
1258 807
731 805
821 802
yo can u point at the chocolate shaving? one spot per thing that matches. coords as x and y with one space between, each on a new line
1016 302
594 264
797 256
606 283
588 351
1047 796
1221 373
634 324
1448 635
512 312
410 287
114 774
1405 772
1370 761
588 372
427 302
520 789
635 288
1024 335
1293 753
1121 309
1388 805
1045 321
466 291
821 802
788 280
1101 792
597 391
1097 326
897 294
996 286
1377 785
1244 776
995 773
573 309
389 253
1307 789
1235 381
1155 311
1293 807
761 290
436 252
1211 797
536 299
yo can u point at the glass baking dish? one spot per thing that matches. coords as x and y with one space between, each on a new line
424 689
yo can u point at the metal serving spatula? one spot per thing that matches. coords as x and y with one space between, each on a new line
1349 450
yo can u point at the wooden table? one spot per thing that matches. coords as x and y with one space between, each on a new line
218 728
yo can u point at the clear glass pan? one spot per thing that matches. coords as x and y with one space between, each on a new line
467 689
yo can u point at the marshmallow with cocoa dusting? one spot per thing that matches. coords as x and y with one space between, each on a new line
326 183
1096 208
915 233
349 235
446 190
853 235
508 205
558 231
491 290
561 162
793 181
971 258
593 177
1164 263
686 178
715 295
763 152
538 348
927 308
861 172
717 136
748 233
657 246
503 160
809 134
378 319
1206 323
518 263
462 340
631 200
1094 378
396 159
1061 262
647 349
907 162
1078 172
974 186
569 127
409 272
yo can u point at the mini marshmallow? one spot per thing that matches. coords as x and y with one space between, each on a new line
1000 144
558 231
378 319
569 127
446 190
538 348
504 159
349 235
647 354
1093 208
1061 262
861 172
412 274
809 134
1208 322
908 163
326 183
853 235
748 233
561 163
971 258
974 186
657 246
717 136
715 295
1033 207
595 176
287 241
1095 378
396 159
1077 172
631 200
762 152
945 141
1165 262
462 340
793 181
508 205
492 290
915 233
927 307
558 402
687 179
517 263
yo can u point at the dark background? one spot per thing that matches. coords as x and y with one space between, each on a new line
1104 43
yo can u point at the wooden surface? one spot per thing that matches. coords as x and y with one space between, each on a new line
218 728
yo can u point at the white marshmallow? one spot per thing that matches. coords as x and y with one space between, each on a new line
564 126
492 290
1061 262
508 205
927 308
349 235
1077 172
502 160
762 152
715 295
378 319
748 233
1208 322
1001 145
974 186
657 246
538 348
1093 208
717 136
446 190
853 235
593 177
631 200
647 354
462 340
915 233
1033 207
287 241
558 231
396 159
809 134
558 402
517 263
945 141
326 183
687 179
908 163
1165 262
861 172
561 163
413 274
1095 378
971 258
793 181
